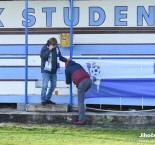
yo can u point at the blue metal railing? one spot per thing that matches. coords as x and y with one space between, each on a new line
71 46
26 53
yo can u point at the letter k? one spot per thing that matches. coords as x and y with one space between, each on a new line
1 10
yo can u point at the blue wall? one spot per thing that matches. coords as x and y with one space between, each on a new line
85 49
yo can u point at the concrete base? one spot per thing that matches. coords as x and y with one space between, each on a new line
21 106
48 108
132 120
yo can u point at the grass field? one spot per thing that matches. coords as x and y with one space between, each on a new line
48 135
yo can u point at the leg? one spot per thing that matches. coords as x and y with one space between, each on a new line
53 80
45 80
81 107
82 88
89 84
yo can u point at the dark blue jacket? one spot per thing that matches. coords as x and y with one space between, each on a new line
75 72
44 54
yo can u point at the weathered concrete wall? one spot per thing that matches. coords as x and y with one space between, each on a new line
134 120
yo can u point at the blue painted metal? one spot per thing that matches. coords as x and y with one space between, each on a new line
2 57
19 73
115 57
84 49
19 49
71 46
26 54
65 99
126 49
35 99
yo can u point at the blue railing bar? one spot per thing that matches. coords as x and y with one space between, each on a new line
71 48
12 57
71 28
114 57
26 54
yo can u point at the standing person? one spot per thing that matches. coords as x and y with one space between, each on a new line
50 56
76 73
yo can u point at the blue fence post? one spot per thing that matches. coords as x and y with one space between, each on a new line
71 46
26 54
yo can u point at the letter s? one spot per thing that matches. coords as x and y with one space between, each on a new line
31 19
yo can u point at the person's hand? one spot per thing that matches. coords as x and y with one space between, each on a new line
52 47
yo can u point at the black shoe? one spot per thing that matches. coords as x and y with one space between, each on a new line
50 102
43 104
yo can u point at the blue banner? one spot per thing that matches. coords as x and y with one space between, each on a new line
123 88
121 77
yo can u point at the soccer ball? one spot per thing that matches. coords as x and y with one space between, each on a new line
95 70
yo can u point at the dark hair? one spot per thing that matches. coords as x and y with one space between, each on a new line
52 41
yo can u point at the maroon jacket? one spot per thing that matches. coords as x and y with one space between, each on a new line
75 72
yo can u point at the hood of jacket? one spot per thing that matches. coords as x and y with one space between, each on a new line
71 63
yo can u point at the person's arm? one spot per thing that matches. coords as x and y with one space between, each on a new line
68 77
44 54
61 58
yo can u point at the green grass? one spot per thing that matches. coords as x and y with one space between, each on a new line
37 135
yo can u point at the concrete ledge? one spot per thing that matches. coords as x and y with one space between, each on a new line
133 120
48 108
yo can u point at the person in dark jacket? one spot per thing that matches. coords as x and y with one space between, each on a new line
50 56
76 73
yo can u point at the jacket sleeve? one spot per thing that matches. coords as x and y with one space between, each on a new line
61 58
44 54
68 77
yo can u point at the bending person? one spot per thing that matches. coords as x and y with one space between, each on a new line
75 73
